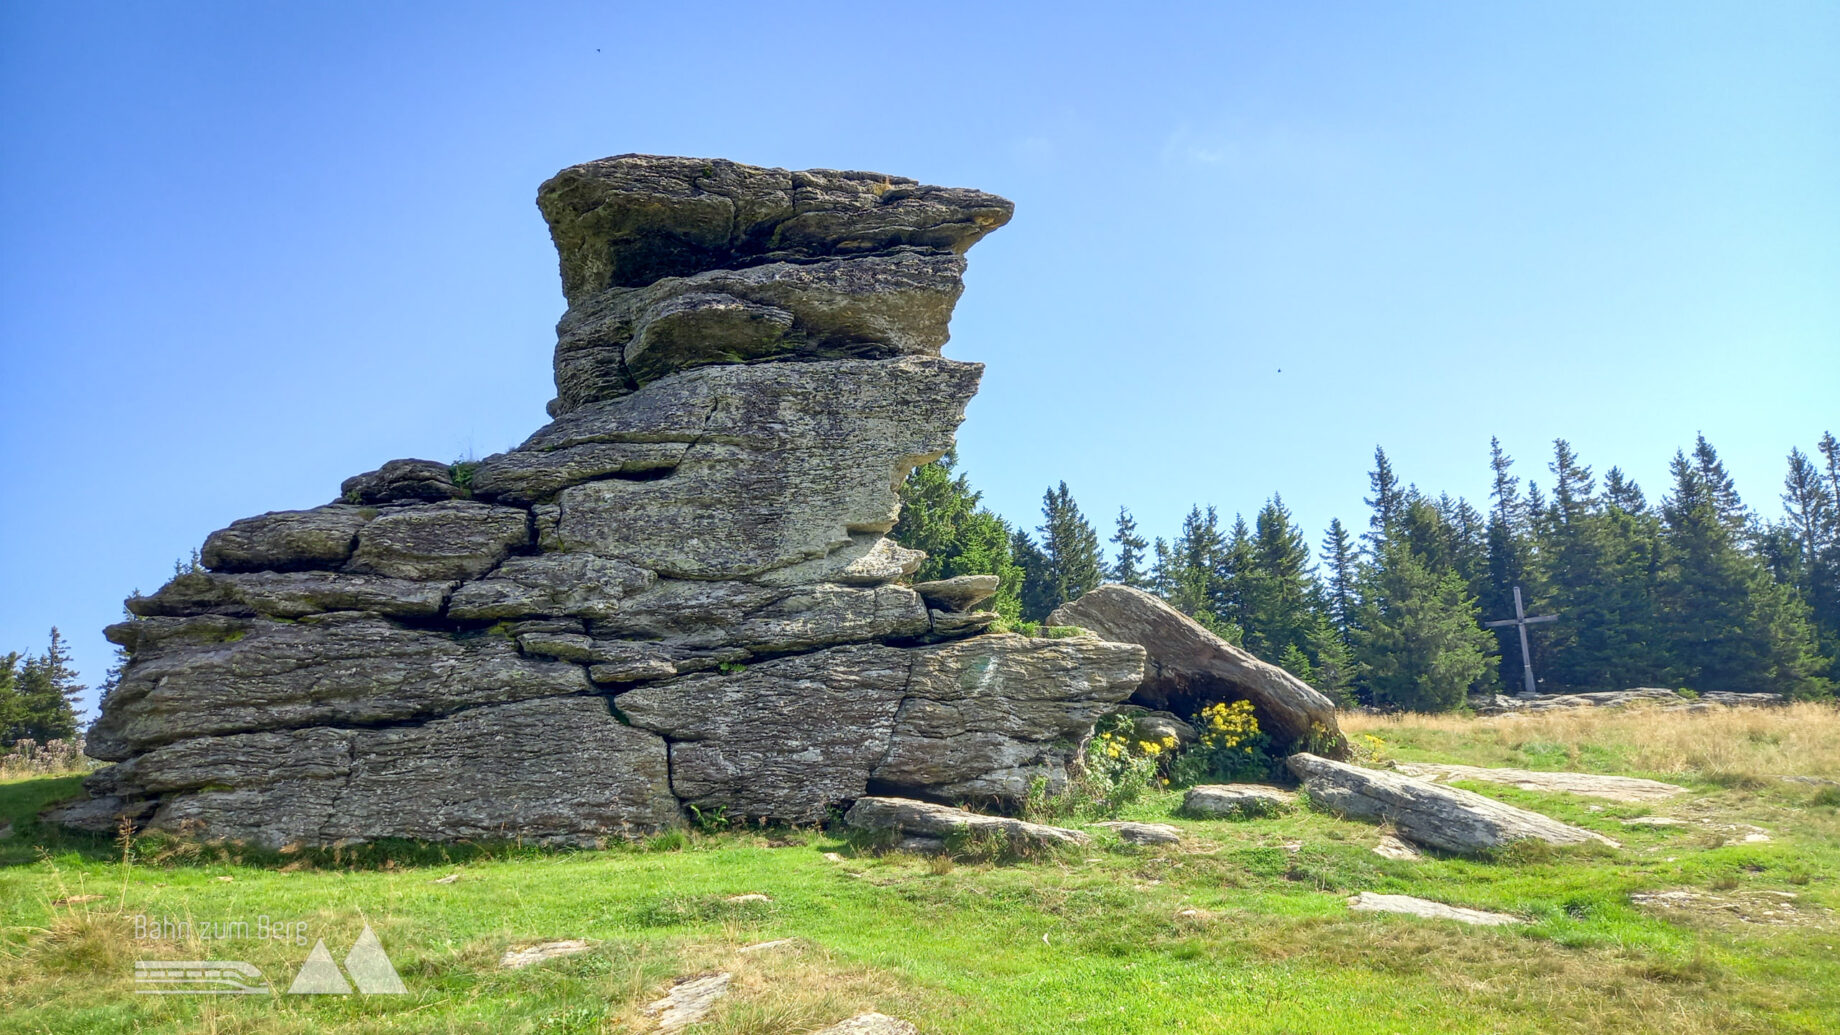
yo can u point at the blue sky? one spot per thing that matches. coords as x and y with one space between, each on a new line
251 250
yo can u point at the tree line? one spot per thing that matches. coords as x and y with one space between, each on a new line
1694 591
38 695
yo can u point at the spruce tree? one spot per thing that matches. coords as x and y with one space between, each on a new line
12 712
1729 625
1388 500
1036 594
1233 571
941 516
48 691
1071 546
1810 552
1278 587
1187 571
1417 645
1341 558
1600 565
1129 568
1334 663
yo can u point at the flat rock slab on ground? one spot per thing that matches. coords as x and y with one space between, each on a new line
926 819
689 1001
1776 908
518 959
1427 814
1144 833
1236 800
1627 789
1369 902
871 1024
1652 697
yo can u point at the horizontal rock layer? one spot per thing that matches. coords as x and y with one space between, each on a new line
635 219
562 770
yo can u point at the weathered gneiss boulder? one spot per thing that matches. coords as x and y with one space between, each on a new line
678 592
924 819
1189 667
1425 813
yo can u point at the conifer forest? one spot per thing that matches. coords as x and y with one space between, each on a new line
1692 589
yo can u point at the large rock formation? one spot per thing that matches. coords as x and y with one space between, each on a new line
1190 667
680 591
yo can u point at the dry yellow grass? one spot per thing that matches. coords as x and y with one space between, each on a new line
1726 744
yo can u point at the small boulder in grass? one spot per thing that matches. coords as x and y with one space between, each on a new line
912 818
1236 800
1144 833
1369 902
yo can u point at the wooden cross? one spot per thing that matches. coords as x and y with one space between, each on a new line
1522 621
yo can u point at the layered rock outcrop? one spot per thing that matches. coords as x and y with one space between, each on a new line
679 592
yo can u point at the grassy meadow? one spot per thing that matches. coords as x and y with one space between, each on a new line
1243 928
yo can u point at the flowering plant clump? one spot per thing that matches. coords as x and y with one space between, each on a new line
1119 764
1231 746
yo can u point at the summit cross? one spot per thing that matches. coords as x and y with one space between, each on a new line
1521 621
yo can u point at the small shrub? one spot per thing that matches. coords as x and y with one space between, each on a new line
462 473
1119 767
53 756
1826 797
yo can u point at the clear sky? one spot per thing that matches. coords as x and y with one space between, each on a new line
248 251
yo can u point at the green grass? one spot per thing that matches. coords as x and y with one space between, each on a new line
1243 929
